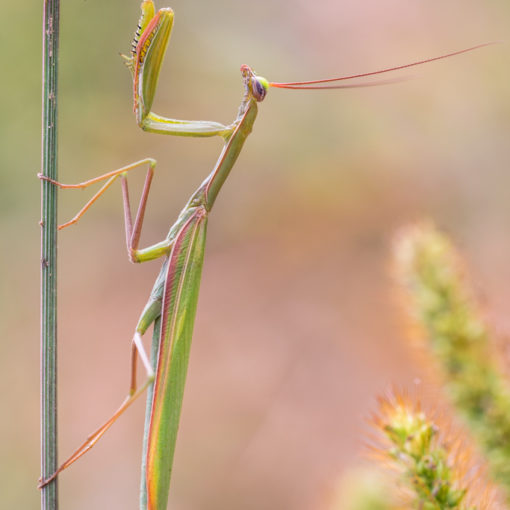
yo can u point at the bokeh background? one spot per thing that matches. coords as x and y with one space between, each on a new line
297 328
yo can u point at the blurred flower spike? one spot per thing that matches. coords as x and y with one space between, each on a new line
452 331
432 468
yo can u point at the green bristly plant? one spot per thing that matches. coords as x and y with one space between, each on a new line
431 466
427 464
441 303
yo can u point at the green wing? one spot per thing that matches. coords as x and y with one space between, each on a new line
180 297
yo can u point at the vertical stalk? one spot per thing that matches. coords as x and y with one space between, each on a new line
51 17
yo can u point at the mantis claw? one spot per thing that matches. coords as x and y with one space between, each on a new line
43 177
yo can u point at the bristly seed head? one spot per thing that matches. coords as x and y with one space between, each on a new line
436 471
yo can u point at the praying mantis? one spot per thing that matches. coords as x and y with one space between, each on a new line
174 296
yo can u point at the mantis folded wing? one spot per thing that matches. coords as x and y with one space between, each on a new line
173 299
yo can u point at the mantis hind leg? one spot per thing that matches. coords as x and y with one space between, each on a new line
151 312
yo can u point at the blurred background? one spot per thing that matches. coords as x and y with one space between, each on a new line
297 329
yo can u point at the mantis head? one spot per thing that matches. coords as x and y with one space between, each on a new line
255 85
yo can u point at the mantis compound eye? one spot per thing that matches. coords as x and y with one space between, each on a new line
259 87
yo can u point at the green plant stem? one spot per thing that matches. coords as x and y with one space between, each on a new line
51 18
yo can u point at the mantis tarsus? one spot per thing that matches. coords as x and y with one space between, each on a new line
175 292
